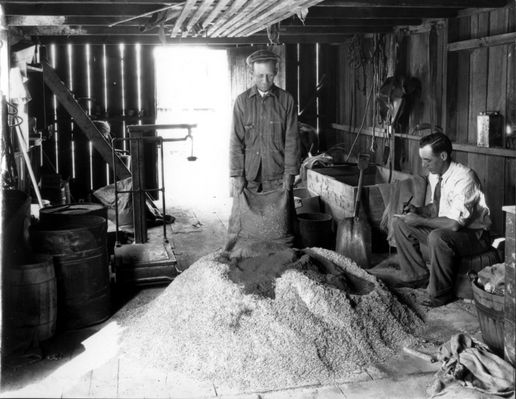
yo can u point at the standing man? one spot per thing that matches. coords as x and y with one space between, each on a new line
454 223
264 142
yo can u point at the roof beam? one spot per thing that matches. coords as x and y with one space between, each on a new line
415 3
310 21
81 8
95 31
380 13
202 41
47 20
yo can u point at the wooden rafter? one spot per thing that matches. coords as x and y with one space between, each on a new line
213 14
223 17
253 9
187 10
201 10
279 12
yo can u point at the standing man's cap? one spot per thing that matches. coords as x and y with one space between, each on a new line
261 56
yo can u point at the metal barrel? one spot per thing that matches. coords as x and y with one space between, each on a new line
67 213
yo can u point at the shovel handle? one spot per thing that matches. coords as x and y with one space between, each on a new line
359 192
363 163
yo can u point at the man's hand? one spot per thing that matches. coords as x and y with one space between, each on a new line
239 184
288 182
412 219
410 209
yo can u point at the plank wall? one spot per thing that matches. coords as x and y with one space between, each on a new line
309 66
104 79
456 86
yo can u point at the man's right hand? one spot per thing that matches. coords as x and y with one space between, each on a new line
410 209
239 184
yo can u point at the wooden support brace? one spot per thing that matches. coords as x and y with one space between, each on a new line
65 97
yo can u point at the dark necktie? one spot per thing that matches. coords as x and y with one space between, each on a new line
437 195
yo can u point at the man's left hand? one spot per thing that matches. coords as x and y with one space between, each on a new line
288 182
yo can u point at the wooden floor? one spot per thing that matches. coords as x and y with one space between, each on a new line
85 363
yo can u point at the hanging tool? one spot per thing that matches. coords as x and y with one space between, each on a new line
354 233
24 150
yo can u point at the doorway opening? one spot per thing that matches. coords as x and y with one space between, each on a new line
193 87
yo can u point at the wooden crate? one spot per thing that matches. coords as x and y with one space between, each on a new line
337 188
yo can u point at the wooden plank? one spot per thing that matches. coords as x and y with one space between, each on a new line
64 120
381 133
185 13
461 76
201 10
248 15
97 81
214 13
486 150
510 182
308 81
510 113
273 15
81 8
235 11
153 40
130 80
478 77
414 3
291 70
494 189
488 41
81 119
80 185
327 95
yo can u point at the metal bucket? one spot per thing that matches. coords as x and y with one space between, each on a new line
315 230
79 248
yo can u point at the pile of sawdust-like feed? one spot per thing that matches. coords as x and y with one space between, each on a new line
255 335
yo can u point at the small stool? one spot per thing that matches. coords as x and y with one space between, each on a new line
462 286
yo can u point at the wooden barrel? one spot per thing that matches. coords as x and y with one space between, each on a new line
55 215
83 288
30 302
15 224
82 268
490 311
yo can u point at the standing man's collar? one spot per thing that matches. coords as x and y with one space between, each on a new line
272 91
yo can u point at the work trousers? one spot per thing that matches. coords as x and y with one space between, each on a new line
445 248
263 186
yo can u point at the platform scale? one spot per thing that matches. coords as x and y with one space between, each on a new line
145 261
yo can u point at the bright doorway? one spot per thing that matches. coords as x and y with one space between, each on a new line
193 87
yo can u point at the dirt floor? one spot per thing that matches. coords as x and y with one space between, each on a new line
84 363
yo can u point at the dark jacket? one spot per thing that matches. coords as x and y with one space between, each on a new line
264 134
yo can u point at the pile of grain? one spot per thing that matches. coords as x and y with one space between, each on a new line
208 327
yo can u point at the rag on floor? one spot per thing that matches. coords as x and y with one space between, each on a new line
395 195
471 370
492 278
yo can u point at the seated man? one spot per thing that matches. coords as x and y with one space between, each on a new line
453 224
